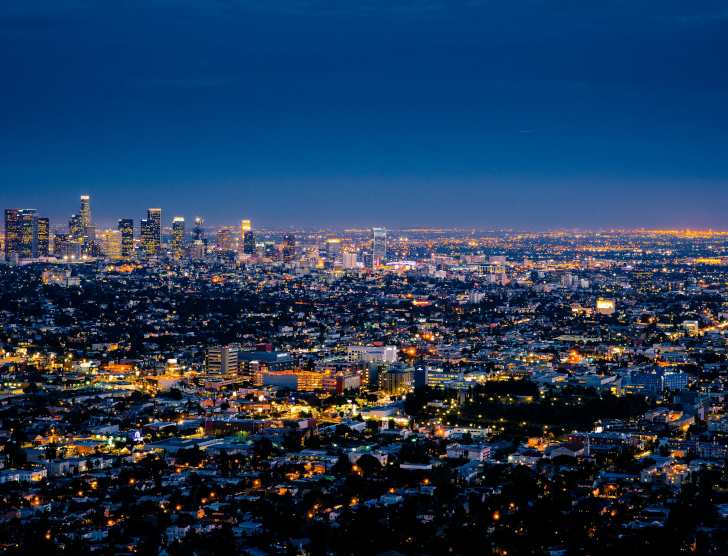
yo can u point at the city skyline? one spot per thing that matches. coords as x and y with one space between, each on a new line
523 115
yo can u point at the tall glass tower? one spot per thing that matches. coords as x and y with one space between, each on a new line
44 236
152 232
289 247
178 238
13 231
379 247
85 212
126 227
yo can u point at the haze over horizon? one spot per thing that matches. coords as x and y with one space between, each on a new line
522 115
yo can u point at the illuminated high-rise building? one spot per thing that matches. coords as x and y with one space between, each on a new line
642 281
155 215
58 239
152 233
126 228
179 243
28 234
111 244
379 247
198 234
85 212
333 249
244 226
147 234
349 260
289 247
13 231
44 237
249 243
75 225
224 239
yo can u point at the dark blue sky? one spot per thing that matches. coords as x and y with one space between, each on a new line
345 113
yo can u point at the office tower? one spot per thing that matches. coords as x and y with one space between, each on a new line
379 247
147 233
349 260
244 226
289 247
126 228
75 225
44 237
642 281
155 218
382 354
13 231
85 212
222 360
249 243
198 234
178 238
29 234
57 240
333 249
224 239
111 244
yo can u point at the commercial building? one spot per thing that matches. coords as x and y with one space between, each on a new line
384 354
222 360
126 229
264 358
249 243
152 232
437 377
224 239
29 234
333 249
44 237
76 227
349 260
340 382
85 211
396 380
605 306
656 379
298 380
289 247
13 231
179 243
379 247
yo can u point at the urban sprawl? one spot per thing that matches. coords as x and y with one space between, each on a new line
191 391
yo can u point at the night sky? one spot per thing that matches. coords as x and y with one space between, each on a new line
525 115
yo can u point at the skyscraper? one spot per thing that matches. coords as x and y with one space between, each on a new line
333 250
152 233
126 227
85 212
244 226
249 243
111 244
75 225
224 239
199 232
379 247
13 231
44 237
289 247
178 238
155 216
29 234
147 234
